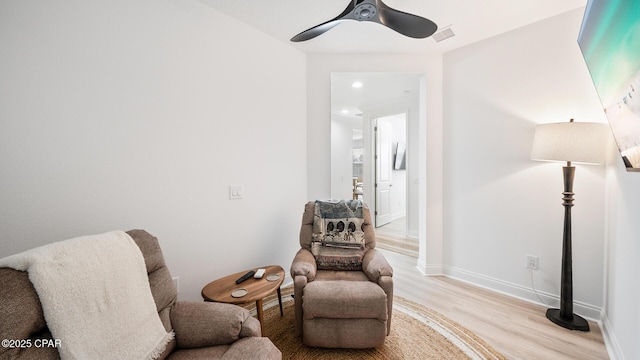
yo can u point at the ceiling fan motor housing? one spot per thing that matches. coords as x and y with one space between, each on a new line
365 12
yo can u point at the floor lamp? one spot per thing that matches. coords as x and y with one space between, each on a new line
571 142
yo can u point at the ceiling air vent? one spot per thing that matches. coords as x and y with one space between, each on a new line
443 35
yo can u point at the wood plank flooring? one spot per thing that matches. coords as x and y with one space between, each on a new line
392 237
516 328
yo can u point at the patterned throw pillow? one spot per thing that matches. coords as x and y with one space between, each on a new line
338 238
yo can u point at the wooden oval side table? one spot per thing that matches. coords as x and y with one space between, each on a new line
257 289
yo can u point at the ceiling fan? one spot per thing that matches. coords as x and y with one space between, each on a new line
376 11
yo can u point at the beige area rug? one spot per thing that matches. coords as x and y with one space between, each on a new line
416 333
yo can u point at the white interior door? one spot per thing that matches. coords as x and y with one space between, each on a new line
383 171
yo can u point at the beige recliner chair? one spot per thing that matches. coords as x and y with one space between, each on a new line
343 299
202 330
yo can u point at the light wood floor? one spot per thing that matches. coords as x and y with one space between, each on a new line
392 237
516 328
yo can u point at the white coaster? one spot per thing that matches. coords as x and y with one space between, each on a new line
273 277
239 293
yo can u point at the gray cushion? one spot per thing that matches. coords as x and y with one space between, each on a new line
344 300
20 310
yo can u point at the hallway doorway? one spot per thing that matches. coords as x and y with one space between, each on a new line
391 183
394 192
390 195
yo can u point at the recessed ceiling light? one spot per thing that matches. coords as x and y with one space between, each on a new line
356 84
345 111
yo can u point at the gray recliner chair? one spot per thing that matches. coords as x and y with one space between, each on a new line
337 307
202 330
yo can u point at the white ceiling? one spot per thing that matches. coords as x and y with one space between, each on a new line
376 89
471 20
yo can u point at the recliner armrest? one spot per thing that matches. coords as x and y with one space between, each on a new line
304 263
375 265
254 348
201 324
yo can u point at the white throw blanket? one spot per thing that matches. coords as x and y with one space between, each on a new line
96 297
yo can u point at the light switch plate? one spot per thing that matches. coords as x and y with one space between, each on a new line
236 192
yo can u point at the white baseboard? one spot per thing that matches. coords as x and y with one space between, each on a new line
288 280
585 310
610 341
429 269
399 215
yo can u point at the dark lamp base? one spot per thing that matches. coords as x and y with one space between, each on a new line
575 323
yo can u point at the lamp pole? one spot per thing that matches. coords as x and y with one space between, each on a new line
565 316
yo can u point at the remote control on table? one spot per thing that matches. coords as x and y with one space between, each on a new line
245 276
259 274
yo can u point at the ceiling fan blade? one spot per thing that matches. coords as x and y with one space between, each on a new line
316 30
326 26
406 24
375 10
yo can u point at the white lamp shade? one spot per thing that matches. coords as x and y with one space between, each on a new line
580 142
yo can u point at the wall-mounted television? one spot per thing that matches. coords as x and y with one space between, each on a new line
609 40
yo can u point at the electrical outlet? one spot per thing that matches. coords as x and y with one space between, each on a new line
532 262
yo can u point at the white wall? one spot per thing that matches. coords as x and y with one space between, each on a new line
429 158
499 205
120 115
621 315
